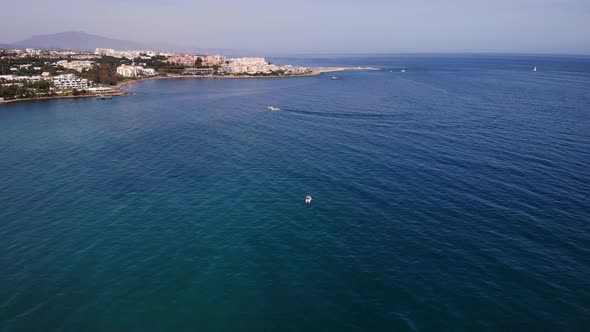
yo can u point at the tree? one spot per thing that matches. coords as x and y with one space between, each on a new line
75 92
106 75
92 74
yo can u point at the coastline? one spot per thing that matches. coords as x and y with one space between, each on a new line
115 93
121 85
118 88
318 72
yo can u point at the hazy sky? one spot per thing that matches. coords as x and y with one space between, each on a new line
317 26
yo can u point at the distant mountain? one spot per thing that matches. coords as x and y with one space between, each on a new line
76 40
82 41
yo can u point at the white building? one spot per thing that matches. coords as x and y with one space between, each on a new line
75 65
8 77
249 66
214 60
33 51
35 78
104 51
249 61
135 71
100 89
128 71
118 54
149 72
198 71
69 81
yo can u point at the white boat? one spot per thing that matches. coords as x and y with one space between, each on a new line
335 77
403 70
535 68
308 200
272 108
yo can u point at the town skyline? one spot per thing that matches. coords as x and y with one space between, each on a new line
46 73
262 27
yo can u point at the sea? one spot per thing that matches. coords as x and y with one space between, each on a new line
454 196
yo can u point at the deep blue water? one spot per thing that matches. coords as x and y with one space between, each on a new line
452 197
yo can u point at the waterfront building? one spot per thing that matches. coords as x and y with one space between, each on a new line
70 81
248 66
252 66
198 71
149 72
99 89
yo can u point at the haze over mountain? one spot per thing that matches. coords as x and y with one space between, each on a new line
80 40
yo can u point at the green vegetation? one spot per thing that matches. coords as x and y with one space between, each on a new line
157 62
24 90
102 73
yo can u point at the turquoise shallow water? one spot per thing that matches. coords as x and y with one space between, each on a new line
453 197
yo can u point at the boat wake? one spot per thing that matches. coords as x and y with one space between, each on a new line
339 115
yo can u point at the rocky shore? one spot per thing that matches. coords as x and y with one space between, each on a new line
113 93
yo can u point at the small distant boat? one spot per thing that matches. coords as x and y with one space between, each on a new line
307 200
272 108
103 97
403 70
535 68
335 78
